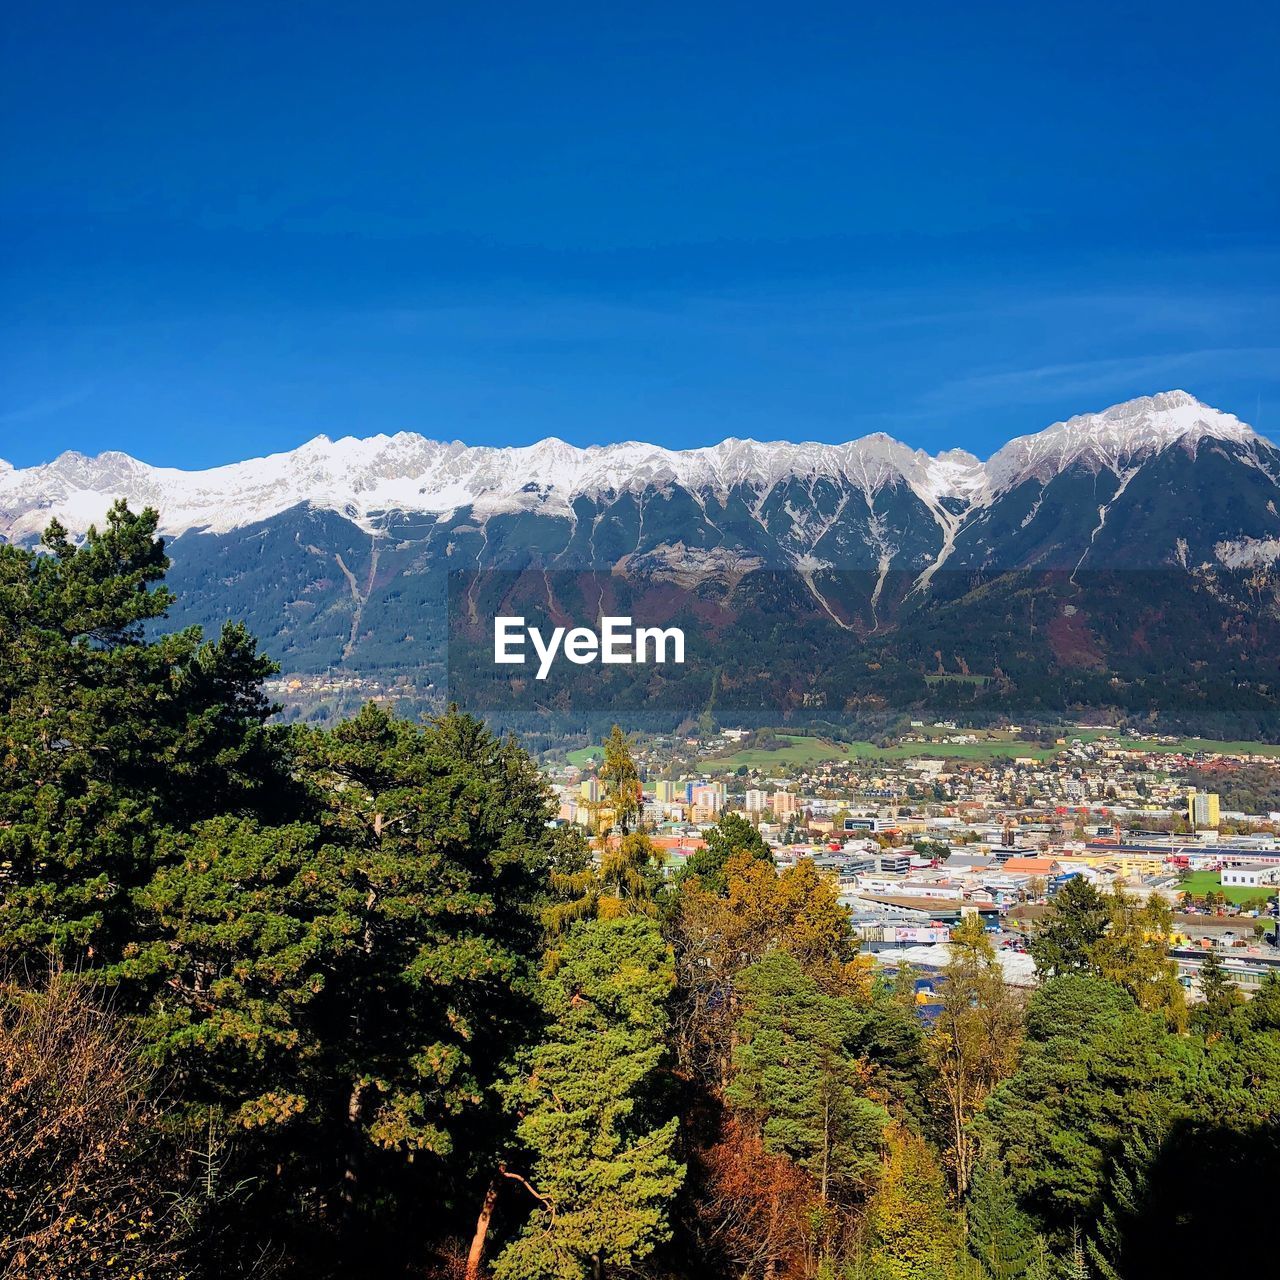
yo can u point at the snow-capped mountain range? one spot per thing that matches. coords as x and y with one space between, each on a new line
340 555
364 479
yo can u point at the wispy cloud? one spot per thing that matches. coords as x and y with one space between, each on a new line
45 408
1157 371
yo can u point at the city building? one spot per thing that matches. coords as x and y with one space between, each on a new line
1251 875
784 803
1203 809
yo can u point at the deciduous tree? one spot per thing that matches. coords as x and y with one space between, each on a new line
911 1233
1133 952
974 1042
88 1181
715 936
757 1210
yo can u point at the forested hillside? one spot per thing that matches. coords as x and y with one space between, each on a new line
341 1004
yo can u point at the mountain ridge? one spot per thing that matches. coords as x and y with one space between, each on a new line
364 478
1123 563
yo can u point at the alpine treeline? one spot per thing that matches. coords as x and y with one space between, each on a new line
342 1003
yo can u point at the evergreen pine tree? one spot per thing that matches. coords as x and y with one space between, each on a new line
599 1143
731 834
795 1071
1077 919
1001 1237
110 737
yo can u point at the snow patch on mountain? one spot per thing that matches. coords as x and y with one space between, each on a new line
1247 553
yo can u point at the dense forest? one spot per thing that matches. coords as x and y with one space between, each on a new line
285 1001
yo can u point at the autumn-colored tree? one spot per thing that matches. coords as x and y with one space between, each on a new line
910 1232
1116 937
797 912
755 1209
88 1185
621 879
974 1042
1133 952
622 876
731 834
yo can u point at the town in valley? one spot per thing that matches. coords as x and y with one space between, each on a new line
950 823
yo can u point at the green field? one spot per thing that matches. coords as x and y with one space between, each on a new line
1200 882
806 751
801 750
987 750
994 745
1183 746
798 751
584 756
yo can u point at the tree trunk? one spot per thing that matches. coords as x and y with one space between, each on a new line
351 1174
475 1254
961 1141
826 1144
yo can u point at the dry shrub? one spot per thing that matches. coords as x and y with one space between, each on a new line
84 1181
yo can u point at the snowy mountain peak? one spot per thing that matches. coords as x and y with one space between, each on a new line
1114 438
365 477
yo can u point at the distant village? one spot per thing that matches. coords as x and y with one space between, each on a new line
918 843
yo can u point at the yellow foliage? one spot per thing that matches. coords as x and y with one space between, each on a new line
270 1108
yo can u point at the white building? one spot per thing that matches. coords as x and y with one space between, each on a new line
1251 875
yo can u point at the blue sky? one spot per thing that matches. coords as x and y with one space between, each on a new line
231 227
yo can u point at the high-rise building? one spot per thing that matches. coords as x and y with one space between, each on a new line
590 790
707 796
756 801
1202 808
784 803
